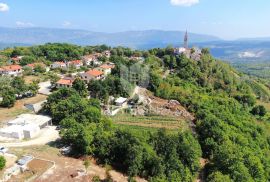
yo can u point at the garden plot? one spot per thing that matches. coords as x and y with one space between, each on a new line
150 121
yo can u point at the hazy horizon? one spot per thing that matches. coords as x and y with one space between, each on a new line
138 30
226 19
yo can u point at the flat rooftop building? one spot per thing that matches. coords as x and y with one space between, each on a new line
25 126
40 120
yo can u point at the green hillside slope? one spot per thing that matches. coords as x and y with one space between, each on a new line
236 146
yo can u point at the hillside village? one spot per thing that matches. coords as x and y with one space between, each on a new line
33 125
117 91
72 113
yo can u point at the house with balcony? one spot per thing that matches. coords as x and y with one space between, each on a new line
66 82
92 75
11 70
106 68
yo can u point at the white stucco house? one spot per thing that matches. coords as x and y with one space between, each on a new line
11 70
25 126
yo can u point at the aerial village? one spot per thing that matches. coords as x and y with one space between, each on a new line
32 127
29 126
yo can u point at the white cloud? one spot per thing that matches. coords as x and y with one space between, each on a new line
250 54
4 7
66 24
24 24
184 2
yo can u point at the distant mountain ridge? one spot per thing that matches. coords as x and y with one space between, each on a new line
134 39
247 49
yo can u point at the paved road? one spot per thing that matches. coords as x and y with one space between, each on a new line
45 88
47 135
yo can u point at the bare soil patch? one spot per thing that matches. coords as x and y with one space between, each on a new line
30 78
35 169
66 168
150 104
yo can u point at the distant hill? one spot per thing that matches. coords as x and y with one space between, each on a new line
241 50
134 39
255 39
5 45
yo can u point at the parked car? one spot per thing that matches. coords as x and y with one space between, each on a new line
3 150
58 127
65 150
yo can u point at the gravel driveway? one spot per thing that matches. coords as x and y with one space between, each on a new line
45 88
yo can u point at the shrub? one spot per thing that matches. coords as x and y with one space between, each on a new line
258 110
2 162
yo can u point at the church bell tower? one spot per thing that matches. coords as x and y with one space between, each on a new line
186 40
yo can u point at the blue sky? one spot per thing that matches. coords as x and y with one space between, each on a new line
228 19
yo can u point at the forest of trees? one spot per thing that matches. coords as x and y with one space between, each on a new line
236 146
15 88
155 156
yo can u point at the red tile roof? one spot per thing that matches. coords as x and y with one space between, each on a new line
97 54
12 67
95 73
92 56
65 81
35 64
17 58
106 66
61 63
75 62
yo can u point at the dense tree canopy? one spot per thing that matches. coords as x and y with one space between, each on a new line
229 136
15 88
149 156
2 162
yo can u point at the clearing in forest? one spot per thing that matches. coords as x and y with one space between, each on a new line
150 121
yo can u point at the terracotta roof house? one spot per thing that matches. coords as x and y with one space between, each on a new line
92 75
91 59
58 64
11 70
33 65
16 59
97 55
106 68
76 63
107 53
64 82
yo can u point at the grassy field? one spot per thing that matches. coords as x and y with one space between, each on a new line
149 123
265 104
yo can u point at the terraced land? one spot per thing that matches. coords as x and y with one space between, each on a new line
149 122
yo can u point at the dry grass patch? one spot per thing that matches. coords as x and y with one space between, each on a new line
265 104
151 121
10 113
